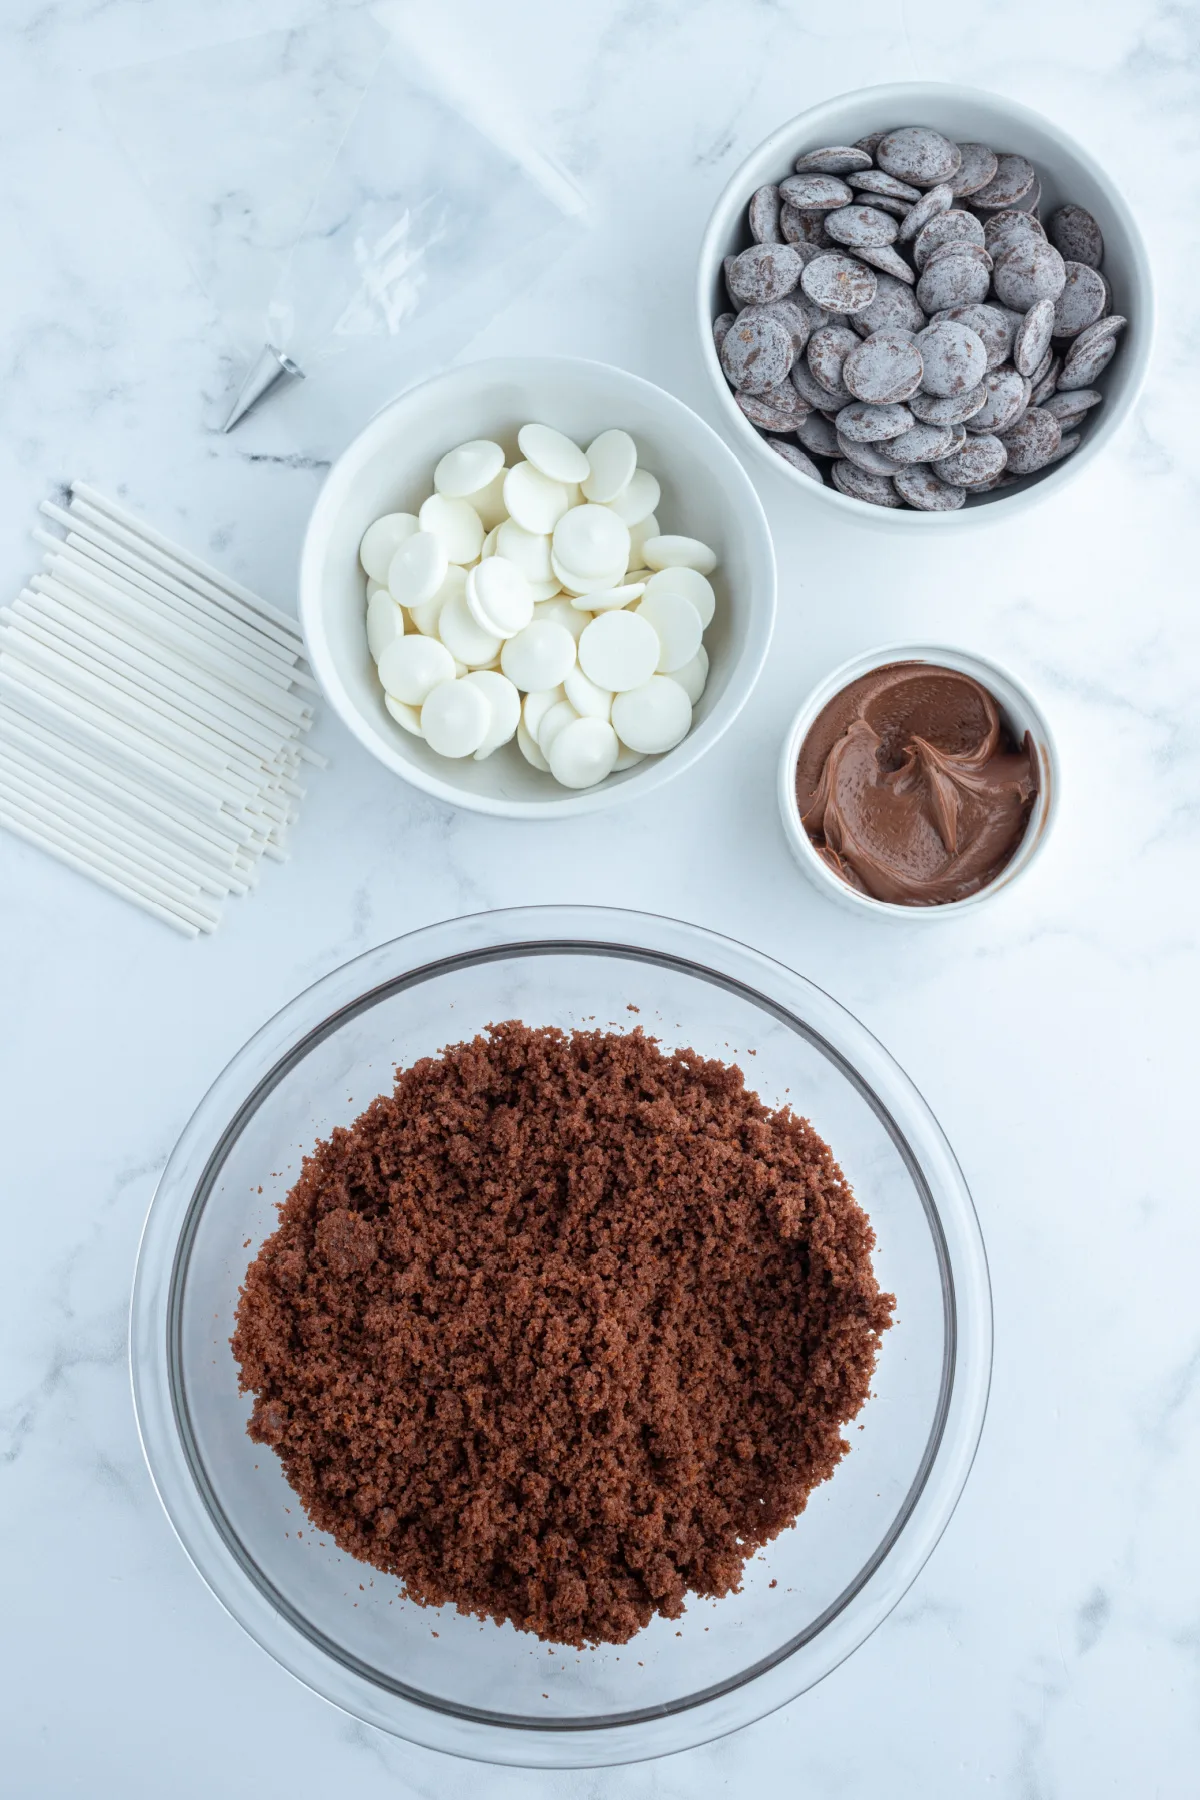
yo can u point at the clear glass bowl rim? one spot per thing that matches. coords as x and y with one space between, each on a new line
249 1077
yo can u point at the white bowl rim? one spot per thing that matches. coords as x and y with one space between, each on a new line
987 671
643 778
778 144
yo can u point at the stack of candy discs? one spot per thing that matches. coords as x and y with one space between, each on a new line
540 602
907 324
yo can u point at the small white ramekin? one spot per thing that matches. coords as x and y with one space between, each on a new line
1020 712
1067 172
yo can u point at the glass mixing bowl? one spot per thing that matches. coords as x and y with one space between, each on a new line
488 1691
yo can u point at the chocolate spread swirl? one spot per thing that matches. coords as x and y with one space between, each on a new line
911 786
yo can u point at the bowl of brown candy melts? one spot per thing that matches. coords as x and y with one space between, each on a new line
924 319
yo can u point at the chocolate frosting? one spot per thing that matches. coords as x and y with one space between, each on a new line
911 786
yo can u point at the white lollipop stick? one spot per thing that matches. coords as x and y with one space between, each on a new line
31 787
110 863
24 735
118 692
192 608
225 582
77 681
125 890
54 728
107 549
159 655
207 606
114 651
177 637
158 762
196 626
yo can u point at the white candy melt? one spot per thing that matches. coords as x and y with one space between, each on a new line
408 716
552 453
679 552
678 625
564 613
463 635
654 717
618 650
505 703
583 753
589 701
381 542
457 524
489 502
418 569
530 553
498 597
638 534
455 718
610 599
533 500
638 498
539 656
577 584
426 616
591 541
464 471
556 720
385 621
628 759
529 750
537 705
691 584
612 458
693 677
412 666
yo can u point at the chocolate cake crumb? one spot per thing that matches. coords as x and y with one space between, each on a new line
562 1329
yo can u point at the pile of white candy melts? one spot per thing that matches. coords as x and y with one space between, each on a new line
549 580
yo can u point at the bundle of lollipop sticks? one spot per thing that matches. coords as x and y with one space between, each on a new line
152 716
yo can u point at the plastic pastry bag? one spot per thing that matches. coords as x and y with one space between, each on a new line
419 228
232 142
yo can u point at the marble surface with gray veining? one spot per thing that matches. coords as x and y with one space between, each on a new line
1051 1648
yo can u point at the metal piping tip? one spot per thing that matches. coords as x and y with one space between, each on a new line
271 368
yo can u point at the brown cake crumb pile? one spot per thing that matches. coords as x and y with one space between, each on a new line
562 1329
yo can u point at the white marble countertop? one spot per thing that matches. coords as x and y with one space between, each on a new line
1049 1649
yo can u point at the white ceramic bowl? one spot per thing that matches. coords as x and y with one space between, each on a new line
1020 712
389 466
1067 173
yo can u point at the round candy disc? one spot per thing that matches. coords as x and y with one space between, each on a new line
465 470
678 625
553 453
533 500
591 541
653 717
583 753
679 552
498 597
455 718
412 666
465 638
505 704
619 650
539 656
418 569
457 524
691 584
385 622
381 542
612 458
